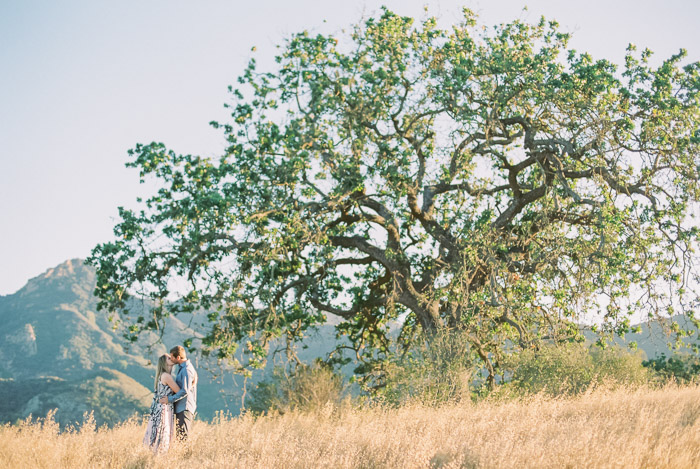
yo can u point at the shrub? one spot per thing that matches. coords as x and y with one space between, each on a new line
682 368
571 369
435 370
304 387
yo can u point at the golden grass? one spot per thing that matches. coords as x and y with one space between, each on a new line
626 428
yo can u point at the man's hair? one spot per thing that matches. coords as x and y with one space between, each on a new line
178 351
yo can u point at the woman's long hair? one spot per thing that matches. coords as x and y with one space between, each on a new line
161 368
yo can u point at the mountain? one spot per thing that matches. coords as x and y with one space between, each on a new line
57 352
51 328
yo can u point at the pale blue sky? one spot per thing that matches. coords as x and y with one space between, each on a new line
82 81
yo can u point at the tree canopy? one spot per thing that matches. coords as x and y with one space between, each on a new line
412 178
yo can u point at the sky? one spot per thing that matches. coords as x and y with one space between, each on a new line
81 82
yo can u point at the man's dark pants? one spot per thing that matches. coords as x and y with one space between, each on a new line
183 423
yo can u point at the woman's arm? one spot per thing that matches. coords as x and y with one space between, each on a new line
167 379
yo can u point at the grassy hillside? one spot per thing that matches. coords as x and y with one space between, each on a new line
623 428
110 395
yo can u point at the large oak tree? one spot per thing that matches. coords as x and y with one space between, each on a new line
490 181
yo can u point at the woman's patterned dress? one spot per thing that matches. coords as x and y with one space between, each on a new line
160 430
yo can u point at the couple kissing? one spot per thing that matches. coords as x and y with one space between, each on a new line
174 401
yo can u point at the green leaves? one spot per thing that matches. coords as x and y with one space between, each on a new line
407 179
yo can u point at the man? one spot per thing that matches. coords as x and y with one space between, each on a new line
185 400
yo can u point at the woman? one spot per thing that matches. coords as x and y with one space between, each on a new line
160 429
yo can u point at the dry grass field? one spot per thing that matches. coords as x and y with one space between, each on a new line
625 428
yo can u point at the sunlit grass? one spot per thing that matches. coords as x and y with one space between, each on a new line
603 428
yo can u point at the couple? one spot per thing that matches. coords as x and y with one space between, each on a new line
173 395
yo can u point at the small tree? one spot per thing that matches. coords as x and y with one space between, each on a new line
493 182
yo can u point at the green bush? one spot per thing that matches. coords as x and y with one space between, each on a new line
571 369
305 388
435 370
682 368
619 365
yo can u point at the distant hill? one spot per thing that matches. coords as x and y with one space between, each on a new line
109 395
654 337
57 352
51 328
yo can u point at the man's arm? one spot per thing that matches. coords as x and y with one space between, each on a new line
184 389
